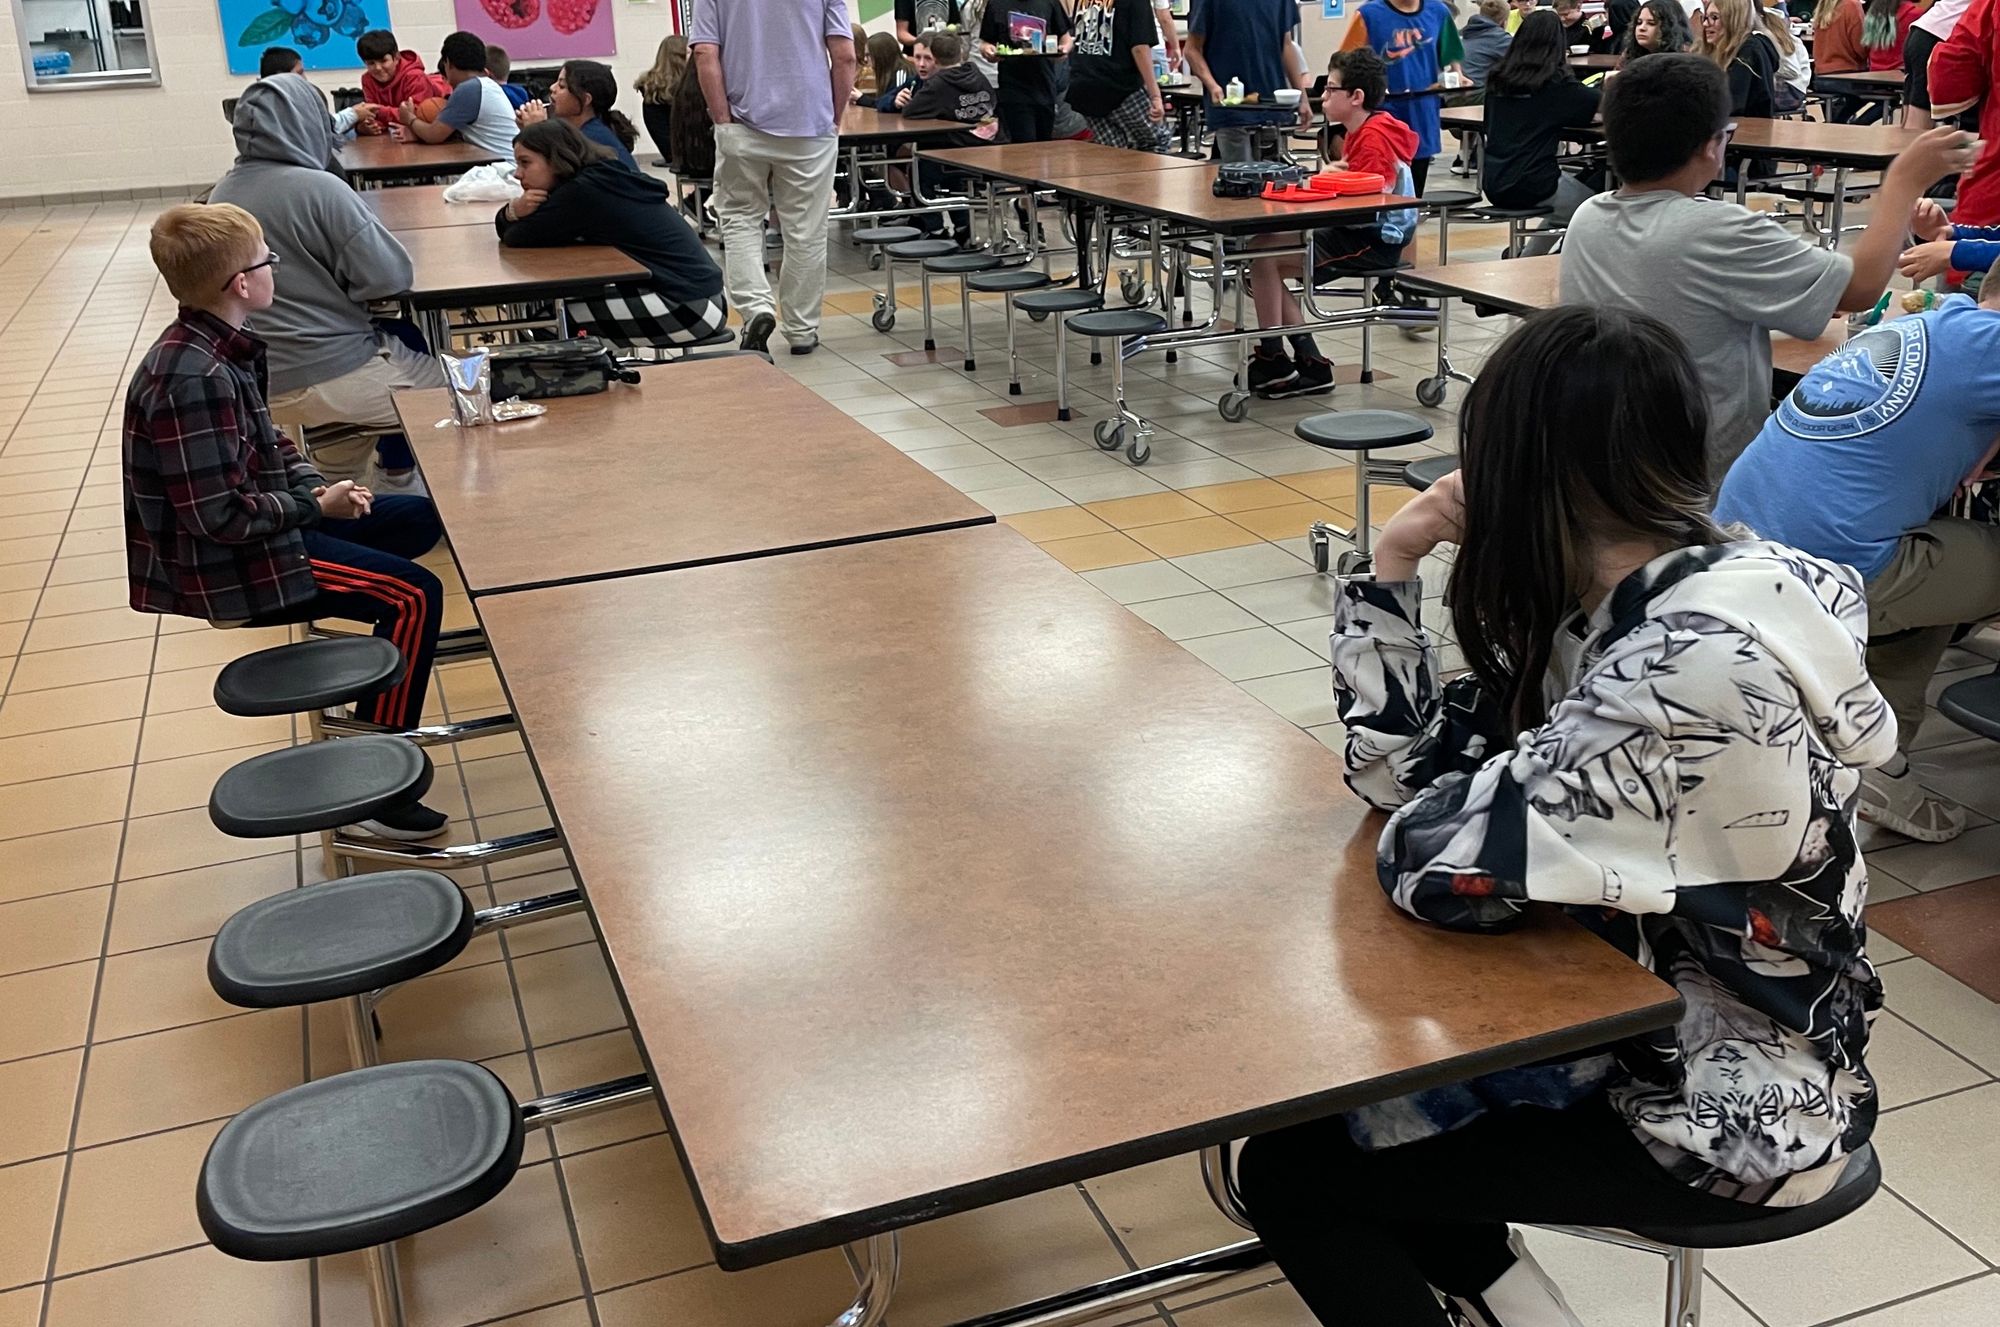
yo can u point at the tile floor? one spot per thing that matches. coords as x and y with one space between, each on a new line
117 1064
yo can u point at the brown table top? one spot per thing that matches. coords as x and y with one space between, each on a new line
932 877
422 207
1879 78
469 263
377 156
1867 145
701 462
866 124
1188 196
1040 163
1594 63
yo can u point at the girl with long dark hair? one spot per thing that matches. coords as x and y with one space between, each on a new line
582 97
1657 26
1661 733
1532 97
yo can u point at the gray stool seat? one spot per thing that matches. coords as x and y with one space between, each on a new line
912 250
341 938
358 1159
956 263
1064 300
886 234
322 785
1857 1185
1449 198
311 675
1492 213
1361 430
1118 322
1009 281
1974 704
1420 474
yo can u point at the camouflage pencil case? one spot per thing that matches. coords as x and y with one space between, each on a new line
536 369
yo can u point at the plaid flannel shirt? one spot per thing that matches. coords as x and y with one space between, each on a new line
215 495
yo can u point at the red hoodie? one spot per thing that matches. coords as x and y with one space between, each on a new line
410 82
1961 73
1379 145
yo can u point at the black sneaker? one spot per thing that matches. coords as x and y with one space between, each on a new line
1411 302
1269 371
1313 376
408 824
757 332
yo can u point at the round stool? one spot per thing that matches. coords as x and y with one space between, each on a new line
1974 704
911 251
319 786
1128 430
1420 474
311 675
961 265
1358 432
1517 219
1008 283
1444 204
1039 304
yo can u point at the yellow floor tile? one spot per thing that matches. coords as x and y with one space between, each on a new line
799 1292
131 1199
69 707
54 929
41 1100
1241 495
597 1060
1094 551
1288 522
110 624
190 905
188 1075
150 990
568 993
76 750
46 1010
1146 509
633 1212
50 863
183 689
1326 485
91 663
28 1197
21 1308
197 1288
192 732
1055 523
182 840
177 785
1202 535
84 597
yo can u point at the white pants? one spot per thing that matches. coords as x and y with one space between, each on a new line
363 399
754 173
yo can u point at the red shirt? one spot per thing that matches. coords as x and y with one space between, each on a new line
1961 73
1379 145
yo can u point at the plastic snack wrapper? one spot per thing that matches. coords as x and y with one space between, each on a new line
515 408
493 182
470 381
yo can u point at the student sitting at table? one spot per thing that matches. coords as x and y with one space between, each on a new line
582 97
1795 72
577 193
1374 141
1661 734
889 72
225 521
1658 26
1532 97
1854 466
391 76
1594 34
656 92
499 64
331 363
1724 276
1417 43
1962 75
1484 38
1517 11
280 60
948 87
477 110
1734 41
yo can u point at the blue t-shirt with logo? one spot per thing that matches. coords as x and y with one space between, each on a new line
1246 39
1412 48
1875 438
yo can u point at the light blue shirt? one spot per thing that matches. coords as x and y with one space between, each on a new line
774 60
483 116
1875 438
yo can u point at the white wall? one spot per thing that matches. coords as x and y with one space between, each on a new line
174 135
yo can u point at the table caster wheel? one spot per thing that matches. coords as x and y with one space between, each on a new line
1109 434
1140 451
1234 407
1430 392
1131 286
884 320
1350 562
1322 550
1038 315
875 261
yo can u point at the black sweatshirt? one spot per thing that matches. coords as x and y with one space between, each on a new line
1522 135
604 203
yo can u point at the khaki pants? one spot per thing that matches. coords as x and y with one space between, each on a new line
362 400
756 173
1943 573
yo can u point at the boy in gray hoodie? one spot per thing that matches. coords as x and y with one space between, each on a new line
331 364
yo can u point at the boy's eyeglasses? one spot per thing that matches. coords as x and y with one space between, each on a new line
271 260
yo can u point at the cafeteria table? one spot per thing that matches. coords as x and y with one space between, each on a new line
880 134
373 160
423 207
931 877
702 462
1883 85
466 267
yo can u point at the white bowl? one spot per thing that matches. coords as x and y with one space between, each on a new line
1286 96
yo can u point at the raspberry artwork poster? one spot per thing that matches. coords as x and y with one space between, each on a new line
541 29
321 31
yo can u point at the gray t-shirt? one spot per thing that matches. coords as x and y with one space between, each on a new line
1724 277
481 113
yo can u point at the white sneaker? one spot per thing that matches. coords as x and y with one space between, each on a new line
1901 803
1524 1296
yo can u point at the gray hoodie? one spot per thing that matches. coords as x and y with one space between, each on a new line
334 254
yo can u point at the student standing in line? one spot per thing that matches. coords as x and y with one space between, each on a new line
582 97
1417 42
477 110
1027 89
1929 32
1112 82
1532 97
1724 277
916 17
1962 77
1661 733
1251 42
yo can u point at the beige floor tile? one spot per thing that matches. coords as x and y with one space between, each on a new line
11 635
182 840
978 1261
465 1014
132 1199
90 663
77 569
29 1194
74 750
189 905
573 1314
45 1010
1910 1066
195 649
204 1072
1975 1303
474 686
69 802
567 993
49 863
553 933
53 929
1267 1306
191 732
68 707
21 1308
150 990
634 1213
596 1060
1947 1009
799 1292
1063 522
18 605
41 1102
500 784
1612 1287
184 782
31 523
183 689
85 597
1162 1210
197 1288
111 624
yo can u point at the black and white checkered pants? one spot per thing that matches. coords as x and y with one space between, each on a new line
1131 125
643 318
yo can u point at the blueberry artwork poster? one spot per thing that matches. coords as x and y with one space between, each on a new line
322 31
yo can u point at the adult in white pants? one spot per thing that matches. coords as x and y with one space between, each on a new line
776 75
